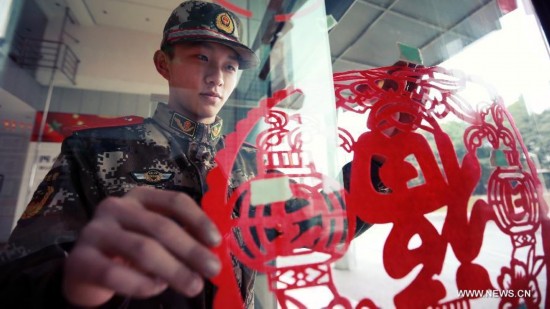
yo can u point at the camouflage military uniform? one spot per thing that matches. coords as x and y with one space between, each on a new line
167 151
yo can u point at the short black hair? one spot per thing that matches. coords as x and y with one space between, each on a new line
168 49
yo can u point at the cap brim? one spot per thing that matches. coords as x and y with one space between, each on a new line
247 58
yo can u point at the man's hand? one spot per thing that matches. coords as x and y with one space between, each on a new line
140 244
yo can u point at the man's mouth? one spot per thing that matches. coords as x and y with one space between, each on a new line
211 94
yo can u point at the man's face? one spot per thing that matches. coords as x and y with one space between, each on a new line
201 77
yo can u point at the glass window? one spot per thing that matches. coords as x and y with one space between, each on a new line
400 149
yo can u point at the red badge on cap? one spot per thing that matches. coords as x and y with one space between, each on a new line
224 22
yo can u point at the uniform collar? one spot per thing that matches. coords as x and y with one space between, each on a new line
184 127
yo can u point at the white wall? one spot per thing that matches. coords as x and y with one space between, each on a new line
81 101
112 59
16 119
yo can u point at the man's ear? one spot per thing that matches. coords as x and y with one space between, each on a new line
161 63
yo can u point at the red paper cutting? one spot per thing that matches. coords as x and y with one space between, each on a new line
278 17
311 7
279 148
235 8
420 172
403 105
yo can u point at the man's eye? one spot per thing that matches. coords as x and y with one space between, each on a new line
202 57
231 67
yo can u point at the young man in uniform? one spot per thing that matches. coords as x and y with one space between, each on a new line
116 222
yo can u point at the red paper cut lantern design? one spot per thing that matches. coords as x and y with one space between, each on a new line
310 8
308 224
278 17
235 8
403 104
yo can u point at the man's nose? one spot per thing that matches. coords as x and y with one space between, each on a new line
215 75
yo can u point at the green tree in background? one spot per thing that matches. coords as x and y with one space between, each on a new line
534 129
455 130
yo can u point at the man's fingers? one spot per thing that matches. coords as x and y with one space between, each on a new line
166 232
139 244
147 255
181 208
96 278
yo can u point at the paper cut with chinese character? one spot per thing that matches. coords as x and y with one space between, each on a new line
422 171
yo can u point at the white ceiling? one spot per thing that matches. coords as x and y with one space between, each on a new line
366 36
134 15
139 15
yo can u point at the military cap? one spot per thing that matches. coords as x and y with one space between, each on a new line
195 21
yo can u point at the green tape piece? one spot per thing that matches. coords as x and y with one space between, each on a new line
270 190
409 53
331 22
